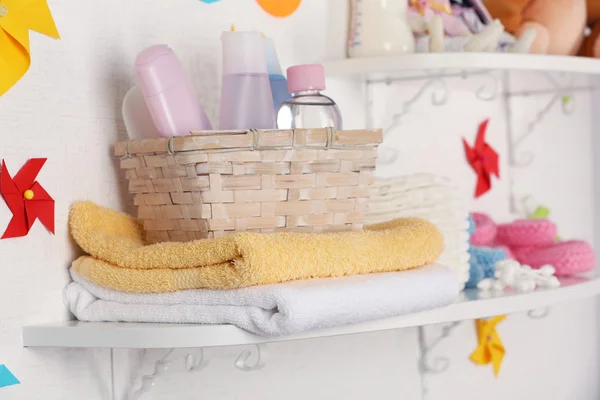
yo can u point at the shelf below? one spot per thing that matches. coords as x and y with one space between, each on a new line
460 61
136 335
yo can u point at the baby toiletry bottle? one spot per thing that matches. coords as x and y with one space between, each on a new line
379 28
279 89
137 118
169 94
308 108
246 101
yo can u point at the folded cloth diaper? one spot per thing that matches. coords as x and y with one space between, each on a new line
430 197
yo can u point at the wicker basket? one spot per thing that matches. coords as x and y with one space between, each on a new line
214 183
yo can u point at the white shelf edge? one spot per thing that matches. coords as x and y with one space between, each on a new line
75 334
462 61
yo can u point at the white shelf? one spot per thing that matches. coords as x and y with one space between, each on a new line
128 335
461 61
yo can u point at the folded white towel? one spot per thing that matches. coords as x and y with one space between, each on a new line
273 310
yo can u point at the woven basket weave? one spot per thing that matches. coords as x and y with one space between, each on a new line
214 183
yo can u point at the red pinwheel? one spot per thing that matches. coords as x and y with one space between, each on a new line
26 198
483 159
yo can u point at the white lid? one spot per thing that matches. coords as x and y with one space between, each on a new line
243 53
273 67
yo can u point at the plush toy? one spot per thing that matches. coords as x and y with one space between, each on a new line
558 24
427 9
591 44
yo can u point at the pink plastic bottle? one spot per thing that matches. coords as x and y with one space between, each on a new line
168 93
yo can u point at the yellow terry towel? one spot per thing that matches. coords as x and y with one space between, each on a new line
120 260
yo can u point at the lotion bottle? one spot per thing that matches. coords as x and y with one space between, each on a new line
168 93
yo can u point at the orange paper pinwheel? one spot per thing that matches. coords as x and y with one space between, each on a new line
17 18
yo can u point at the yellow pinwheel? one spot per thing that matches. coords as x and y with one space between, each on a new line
17 18
490 348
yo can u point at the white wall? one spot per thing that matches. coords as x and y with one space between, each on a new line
67 109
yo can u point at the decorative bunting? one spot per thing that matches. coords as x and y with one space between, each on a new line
6 377
26 198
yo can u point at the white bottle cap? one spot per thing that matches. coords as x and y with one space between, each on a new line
273 67
243 53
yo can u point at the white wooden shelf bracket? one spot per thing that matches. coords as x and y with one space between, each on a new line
491 88
148 382
539 313
193 363
430 365
427 364
435 85
242 361
560 92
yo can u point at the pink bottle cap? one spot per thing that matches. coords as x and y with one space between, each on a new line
306 77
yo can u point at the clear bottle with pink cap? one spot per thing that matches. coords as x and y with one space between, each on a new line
308 108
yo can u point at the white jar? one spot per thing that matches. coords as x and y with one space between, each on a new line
379 28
